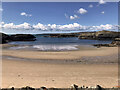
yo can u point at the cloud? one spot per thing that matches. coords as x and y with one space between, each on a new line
25 14
90 6
1 9
10 25
74 17
24 26
102 2
103 12
82 11
40 26
20 26
105 27
74 26
2 23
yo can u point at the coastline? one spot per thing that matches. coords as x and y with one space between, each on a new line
65 45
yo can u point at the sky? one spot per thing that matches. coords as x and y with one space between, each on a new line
60 15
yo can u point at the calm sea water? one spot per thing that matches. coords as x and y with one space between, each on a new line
48 43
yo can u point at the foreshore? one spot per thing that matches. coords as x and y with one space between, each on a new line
60 69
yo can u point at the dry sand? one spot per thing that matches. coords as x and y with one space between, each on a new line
20 73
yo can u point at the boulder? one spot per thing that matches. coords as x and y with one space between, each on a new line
22 37
116 42
102 45
98 87
74 87
27 88
43 88
117 39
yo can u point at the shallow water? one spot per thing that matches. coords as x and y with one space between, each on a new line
55 44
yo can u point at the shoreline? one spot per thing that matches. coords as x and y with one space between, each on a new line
61 55
82 60
78 47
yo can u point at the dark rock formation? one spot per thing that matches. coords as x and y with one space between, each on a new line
115 42
74 87
87 35
98 87
100 35
22 37
4 38
44 88
107 35
62 35
27 88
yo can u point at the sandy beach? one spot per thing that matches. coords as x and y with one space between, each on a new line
36 69
59 44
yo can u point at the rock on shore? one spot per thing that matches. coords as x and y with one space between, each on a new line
73 87
115 42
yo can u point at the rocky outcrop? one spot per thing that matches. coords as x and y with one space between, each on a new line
105 35
115 43
22 37
4 38
100 35
64 35
87 35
